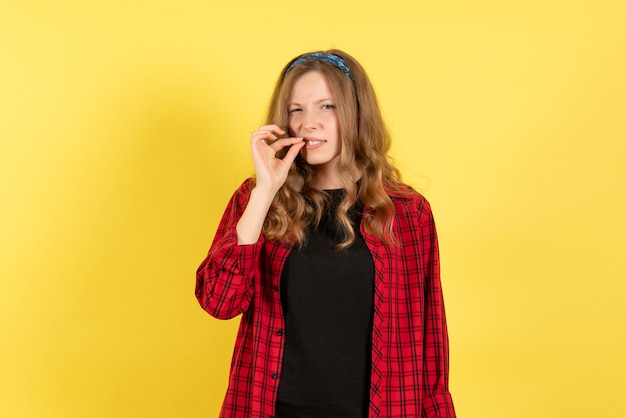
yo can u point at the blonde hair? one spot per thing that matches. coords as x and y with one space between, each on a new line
365 143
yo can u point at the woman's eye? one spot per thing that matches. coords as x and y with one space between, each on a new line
328 106
294 110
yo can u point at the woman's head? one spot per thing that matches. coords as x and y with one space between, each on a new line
361 128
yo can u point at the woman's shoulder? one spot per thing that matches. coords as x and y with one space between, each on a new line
245 188
242 193
247 185
409 201
404 193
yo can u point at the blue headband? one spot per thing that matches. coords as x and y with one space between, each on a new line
332 59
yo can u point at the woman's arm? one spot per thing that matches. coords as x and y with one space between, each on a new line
224 280
271 173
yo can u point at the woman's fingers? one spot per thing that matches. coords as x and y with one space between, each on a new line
272 128
281 143
266 142
268 132
293 151
273 135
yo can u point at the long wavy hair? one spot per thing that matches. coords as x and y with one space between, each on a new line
365 143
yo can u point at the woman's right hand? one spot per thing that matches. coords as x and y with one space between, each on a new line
271 172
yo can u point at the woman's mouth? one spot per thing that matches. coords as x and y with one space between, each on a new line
312 143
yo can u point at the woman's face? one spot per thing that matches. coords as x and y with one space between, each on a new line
312 116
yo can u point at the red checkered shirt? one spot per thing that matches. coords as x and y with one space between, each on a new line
409 376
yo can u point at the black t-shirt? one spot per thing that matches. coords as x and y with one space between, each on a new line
327 300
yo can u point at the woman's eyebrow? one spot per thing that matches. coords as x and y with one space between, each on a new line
315 102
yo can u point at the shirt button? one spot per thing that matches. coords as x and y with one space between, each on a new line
275 288
279 332
287 246
274 375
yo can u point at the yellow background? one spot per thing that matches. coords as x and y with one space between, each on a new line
124 128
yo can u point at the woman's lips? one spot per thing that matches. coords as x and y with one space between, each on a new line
312 143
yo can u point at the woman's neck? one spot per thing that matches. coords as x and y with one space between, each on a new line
330 181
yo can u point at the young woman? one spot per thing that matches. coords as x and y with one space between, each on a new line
332 261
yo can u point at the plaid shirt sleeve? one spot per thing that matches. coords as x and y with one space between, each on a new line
224 280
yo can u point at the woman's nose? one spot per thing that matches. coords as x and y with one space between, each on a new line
310 121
